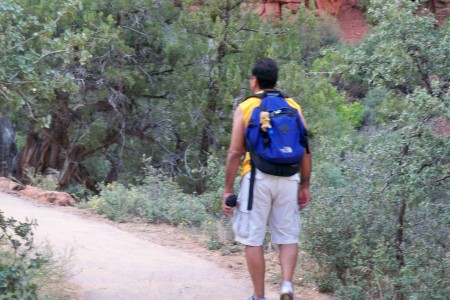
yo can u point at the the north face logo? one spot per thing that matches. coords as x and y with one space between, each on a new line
286 150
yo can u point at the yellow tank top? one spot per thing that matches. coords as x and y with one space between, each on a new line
247 107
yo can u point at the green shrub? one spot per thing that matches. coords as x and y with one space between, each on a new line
79 192
19 266
117 202
363 4
378 226
218 232
47 182
165 201
158 199
353 113
329 30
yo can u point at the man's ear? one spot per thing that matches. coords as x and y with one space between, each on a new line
255 85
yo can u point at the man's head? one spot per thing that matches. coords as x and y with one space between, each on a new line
265 71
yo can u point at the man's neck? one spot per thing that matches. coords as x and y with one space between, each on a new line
258 90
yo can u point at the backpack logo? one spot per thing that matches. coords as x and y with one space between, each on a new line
286 150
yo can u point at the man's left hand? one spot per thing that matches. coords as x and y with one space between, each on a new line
303 196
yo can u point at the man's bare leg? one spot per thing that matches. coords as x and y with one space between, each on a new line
288 260
257 268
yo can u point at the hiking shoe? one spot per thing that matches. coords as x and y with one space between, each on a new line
286 291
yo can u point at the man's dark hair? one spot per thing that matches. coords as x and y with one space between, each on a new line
266 72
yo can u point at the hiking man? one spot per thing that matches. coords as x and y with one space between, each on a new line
275 199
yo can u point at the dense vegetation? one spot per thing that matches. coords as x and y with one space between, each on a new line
17 269
26 273
140 94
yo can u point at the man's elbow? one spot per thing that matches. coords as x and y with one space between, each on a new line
234 155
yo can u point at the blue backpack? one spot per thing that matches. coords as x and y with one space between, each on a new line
276 149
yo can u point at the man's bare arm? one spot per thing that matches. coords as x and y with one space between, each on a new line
235 152
305 175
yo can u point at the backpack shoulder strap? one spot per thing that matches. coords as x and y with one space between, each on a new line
304 134
264 94
258 95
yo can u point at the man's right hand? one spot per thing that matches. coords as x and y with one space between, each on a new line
225 207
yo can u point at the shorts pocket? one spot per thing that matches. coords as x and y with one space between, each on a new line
241 218
241 223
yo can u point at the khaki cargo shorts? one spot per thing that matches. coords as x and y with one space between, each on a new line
274 201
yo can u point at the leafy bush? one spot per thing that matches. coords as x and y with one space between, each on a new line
353 113
378 228
363 4
117 202
47 182
79 192
18 264
165 201
329 30
219 233
159 199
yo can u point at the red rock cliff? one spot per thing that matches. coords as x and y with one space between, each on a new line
440 7
349 15
275 7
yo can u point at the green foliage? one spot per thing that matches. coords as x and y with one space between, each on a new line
27 45
166 202
221 42
220 236
79 192
104 84
18 263
319 99
158 199
114 81
352 228
352 113
378 227
403 51
116 201
364 4
47 182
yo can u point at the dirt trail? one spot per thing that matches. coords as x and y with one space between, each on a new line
110 263
113 264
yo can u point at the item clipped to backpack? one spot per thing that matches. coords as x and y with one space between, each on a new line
275 137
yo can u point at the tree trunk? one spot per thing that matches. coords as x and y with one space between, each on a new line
44 149
40 154
399 244
8 149
211 108
116 166
70 168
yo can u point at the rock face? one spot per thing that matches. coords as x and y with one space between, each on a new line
441 8
275 7
57 198
333 7
9 185
351 18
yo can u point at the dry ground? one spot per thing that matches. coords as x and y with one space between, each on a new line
138 260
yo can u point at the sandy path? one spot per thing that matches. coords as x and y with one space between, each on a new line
113 264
